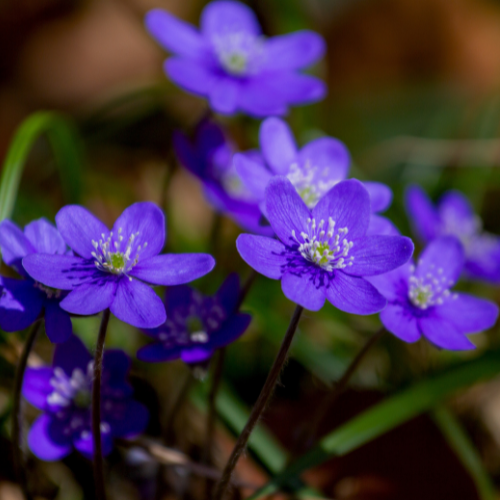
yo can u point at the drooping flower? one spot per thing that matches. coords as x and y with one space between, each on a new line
454 215
420 300
210 159
111 268
324 253
197 325
313 170
63 392
23 301
233 65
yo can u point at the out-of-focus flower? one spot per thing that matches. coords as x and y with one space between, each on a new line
197 325
233 65
454 215
63 393
324 253
23 301
420 301
111 268
210 159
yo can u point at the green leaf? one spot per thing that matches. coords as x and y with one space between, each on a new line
387 415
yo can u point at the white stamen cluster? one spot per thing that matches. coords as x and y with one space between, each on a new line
238 52
429 290
327 248
67 390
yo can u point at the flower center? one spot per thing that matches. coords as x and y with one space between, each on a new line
76 389
196 330
50 292
429 290
328 249
238 53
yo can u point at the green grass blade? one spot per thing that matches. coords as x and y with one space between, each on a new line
465 450
387 415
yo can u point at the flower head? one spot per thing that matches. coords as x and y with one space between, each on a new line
63 393
454 216
421 302
197 325
232 64
22 301
324 253
111 268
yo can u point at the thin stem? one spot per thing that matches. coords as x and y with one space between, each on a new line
96 409
17 423
259 406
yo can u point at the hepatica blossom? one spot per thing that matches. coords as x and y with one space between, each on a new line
111 268
324 253
197 325
63 393
23 301
233 65
454 215
210 159
421 302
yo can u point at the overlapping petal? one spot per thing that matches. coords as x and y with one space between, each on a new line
267 256
57 322
422 213
329 156
90 298
277 145
400 322
45 238
36 386
254 175
302 289
191 75
14 245
380 195
443 334
41 443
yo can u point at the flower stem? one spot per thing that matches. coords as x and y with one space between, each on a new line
265 395
17 413
96 408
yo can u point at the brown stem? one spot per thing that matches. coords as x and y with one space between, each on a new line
259 406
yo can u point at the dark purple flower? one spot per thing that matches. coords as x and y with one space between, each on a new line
324 252
454 215
233 65
111 268
63 393
197 325
24 300
210 159
420 301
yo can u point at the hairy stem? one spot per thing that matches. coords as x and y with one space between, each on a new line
260 404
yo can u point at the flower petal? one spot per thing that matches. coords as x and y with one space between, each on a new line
277 145
131 419
175 35
224 95
138 305
13 244
443 334
258 99
381 226
90 298
37 386
254 175
454 205
231 330
85 444
302 290
229 293
266 255
400 323
379 254
294 88
173 269
348 204
483 257
354 295
294 51
116 365
196 353
57 322
79 227
393 285
157 352
41 443
380 195
423 216
45 237
190 75
70 355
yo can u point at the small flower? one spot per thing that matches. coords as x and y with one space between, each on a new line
324 253
420 300
111 268
24 300
454 216
64 393
233 65
210 159
197 325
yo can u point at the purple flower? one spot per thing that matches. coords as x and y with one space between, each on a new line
210 159
454 215
324 252
196 325
233 65
63 393
420 301
24 300
111 268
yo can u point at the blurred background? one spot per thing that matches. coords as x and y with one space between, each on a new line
414 92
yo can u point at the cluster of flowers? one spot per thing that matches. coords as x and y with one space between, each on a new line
312 228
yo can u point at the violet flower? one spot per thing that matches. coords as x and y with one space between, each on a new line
197 325
233 65
454 215
420 301
24 300
111 268
64 393
210 159
324 253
